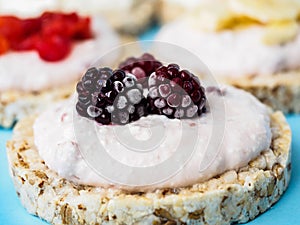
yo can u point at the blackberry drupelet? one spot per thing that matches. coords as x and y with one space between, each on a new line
142 67
110 96
175 93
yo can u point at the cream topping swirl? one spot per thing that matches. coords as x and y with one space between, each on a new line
246 132
26 71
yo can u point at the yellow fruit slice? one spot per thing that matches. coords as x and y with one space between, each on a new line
267 11
280 32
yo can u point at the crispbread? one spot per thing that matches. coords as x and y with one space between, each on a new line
168 11
141 14
15 105
235 196
280 91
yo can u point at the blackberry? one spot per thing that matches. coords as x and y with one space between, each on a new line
175 93
110 96
142 67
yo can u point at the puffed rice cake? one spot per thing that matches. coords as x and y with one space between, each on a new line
235 196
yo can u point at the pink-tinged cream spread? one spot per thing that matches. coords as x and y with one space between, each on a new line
234 52
245 133
26 71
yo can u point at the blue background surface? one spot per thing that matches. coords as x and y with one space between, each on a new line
285 212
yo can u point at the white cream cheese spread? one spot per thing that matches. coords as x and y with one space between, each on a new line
234 53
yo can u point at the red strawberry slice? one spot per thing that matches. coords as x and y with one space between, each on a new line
53 48
4 45
50 34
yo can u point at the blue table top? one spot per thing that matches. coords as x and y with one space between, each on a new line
285 212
